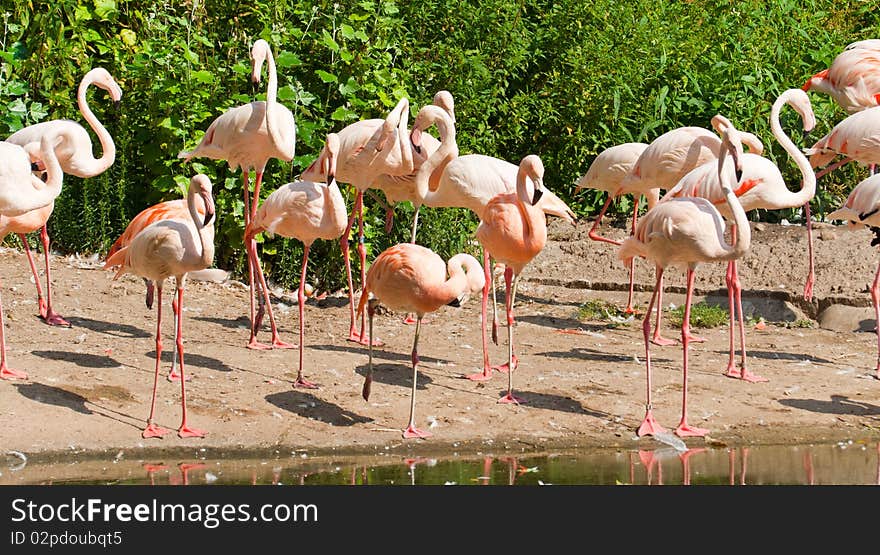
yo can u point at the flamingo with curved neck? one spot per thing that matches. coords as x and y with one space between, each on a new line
409 277
760 185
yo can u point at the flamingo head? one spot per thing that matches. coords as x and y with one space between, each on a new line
798 99
444 100
532 167
815 80
259 53
101 78
200 184
328 157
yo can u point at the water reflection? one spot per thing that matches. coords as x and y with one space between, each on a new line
845 463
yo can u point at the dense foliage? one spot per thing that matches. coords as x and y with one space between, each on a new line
563 79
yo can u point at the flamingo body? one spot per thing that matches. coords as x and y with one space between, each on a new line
853 78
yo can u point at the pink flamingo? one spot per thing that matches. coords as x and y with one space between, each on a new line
761 186
21 192
687 231
605 174
74 150
853 79
306 211
856 138
513 231
167 248
168 210
667 159
470 181
412 278
862 208
247 137
367 149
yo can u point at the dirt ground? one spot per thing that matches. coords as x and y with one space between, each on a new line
89 386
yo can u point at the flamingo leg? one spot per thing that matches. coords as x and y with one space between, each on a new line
343 242
301 301
511 358
657 339
509 280
592 233
731 466
256 317
494 307
175 374
632 267
152 430
27 250
276 339
184 430
362 254
415 224
743 372
875 298
833 167
411 431
683 429
368 381
649 425
52 318
7 373
486 374
811 275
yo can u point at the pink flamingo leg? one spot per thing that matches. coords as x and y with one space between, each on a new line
184 430
7 373
276 339
731 466
875 298
511 358
486 374
811 275
683 429
657 339
301 301
833 167
343 242
40 300
632 267
494 309
255 318
508 279
411 431
51 317
649 425
174 374
153 430
743 372
592 233
362 255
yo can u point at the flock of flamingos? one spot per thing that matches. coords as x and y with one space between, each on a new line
708 179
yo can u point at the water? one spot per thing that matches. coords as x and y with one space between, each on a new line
856 463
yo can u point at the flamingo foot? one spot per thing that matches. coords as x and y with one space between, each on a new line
684 430
174 376
696 338
808 288
411 432
277 343
55 319
745 375
257 346
302 383
409 320
662 341
152 430
186 431
7 373
629 309
650 426
506 366
511 399
376 341
483 376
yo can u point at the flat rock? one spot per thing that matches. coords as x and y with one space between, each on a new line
772 310
839 317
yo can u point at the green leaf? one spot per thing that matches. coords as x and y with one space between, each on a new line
241 68
342 114
346 56
17 106
105 8
203 76
38 111
129 37
288 59
325 77
286 93
328 41
349 87
347 31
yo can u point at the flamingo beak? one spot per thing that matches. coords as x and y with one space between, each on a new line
456 302
209 207
739 175
536 196
35 167
415 137
117 104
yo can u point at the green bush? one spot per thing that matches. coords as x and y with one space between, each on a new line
561 79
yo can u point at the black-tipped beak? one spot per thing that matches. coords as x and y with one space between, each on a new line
536 196
739 175
456 302
35 167
806 134
209 215
117 104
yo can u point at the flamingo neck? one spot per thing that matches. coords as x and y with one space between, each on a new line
432 168
808 184
743 232
205 232
108 147
284 140
465 274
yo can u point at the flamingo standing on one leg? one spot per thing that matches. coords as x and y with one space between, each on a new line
412 278
513 230
367 149
853 78
168 210
687 231
74 150
307 211
667 159
605 174
247 137
470 181
21 192
862 208
761 185
167 248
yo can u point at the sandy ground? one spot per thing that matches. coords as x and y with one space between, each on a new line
89 386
